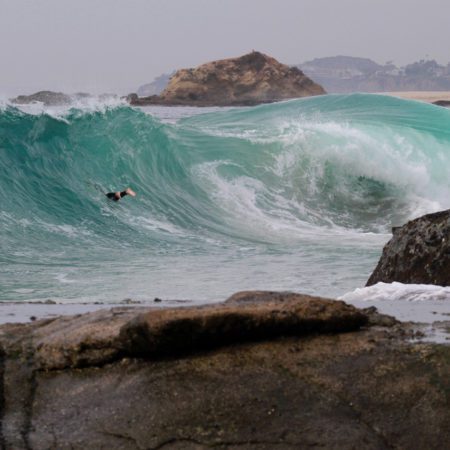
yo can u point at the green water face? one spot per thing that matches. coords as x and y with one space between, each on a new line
313 183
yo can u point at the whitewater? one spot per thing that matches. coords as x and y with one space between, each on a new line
299 195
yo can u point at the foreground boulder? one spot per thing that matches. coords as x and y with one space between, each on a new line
259 316
133 378
248 80
418 253
104 336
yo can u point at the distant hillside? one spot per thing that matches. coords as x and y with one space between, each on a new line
343 74
344 65
156 86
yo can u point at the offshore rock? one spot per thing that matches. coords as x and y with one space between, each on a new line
48 98
444 103
418 253
247 80
115 379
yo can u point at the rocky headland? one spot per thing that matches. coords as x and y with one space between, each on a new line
262 370
247 80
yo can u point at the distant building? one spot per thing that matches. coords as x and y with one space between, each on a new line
345 74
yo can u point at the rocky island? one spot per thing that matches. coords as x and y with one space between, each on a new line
51 98
247 80
48 98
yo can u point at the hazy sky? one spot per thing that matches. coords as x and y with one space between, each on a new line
117 45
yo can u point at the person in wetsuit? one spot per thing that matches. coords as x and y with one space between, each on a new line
116 196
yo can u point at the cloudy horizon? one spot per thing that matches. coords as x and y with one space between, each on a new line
116 45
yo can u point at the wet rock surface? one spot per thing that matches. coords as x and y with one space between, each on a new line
251 317
116 379
247 80
418 253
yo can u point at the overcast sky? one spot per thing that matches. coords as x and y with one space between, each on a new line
117 45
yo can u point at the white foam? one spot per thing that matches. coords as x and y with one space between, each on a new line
89 104
62 278
267 215
153 224
64 229
399 292
302 148
420 303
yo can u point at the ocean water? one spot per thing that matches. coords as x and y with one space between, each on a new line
298 195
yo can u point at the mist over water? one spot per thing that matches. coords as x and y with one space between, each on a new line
299 195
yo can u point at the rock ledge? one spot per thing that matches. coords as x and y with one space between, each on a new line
104 336
111 379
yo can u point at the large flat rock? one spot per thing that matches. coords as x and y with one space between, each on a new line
100 337
185 330
264 370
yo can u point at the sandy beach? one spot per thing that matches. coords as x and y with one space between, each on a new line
424 96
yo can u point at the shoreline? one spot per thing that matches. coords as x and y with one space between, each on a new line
431 320
423 96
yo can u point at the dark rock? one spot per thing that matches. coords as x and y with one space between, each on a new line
48 98
76 383
260 296
375 318
131 98
130 301
174 331
445 103
419 252
248 80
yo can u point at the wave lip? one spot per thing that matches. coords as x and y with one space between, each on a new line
325 163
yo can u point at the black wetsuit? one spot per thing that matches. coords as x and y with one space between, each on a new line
112 195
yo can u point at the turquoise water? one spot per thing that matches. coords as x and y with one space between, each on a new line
299 195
